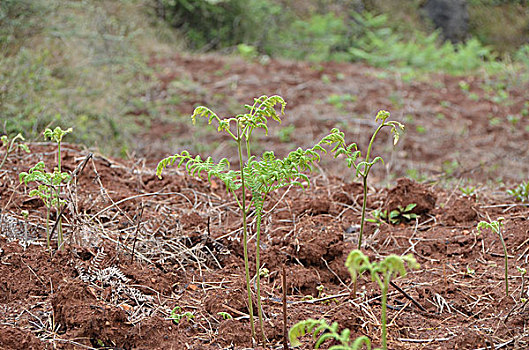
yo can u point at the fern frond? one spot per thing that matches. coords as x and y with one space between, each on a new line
359 343
202 111
197 166
300 329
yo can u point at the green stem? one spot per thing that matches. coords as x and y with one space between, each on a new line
245 235
59 228
9 148
48 244
258 265
383 315
364 175
373 140
506 263
59 225
59 156
362 220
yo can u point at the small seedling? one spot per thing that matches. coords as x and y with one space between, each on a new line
16 142
322 331
363 167
399 215
57 135
49 184
381 272
468 191
225 315
520 192
48 190
177 315
496 226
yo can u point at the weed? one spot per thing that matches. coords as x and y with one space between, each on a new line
322 331
468 191
399 215
258 176
416 175
420 129
285 133
339 101
520 192
225 315
15 143
177 315
381 272
496 226
513 120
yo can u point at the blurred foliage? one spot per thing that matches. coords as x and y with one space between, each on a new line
319 33
216 24
18 20
501 24
84 63
83 67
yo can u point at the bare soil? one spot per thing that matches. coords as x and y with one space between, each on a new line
137 246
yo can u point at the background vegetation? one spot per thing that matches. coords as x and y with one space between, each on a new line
85 63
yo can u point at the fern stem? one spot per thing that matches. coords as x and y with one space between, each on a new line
506 262
245 235
8 150
59 234
48 244
258 267
364 205
383 316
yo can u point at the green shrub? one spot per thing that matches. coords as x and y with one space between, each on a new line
222 23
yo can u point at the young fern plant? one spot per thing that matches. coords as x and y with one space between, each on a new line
322 332
17 142
57 135
381 272
496 226
48 190
49 184
256 176
364 166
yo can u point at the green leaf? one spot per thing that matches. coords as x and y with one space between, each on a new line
410 207
300 329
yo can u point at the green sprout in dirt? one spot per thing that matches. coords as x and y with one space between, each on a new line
496 226
177 315
520 192
48 190
381 272
322 331
396 216
16 142
364 167
57 135
225 315
256 176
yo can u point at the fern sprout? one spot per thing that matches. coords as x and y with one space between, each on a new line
381 272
